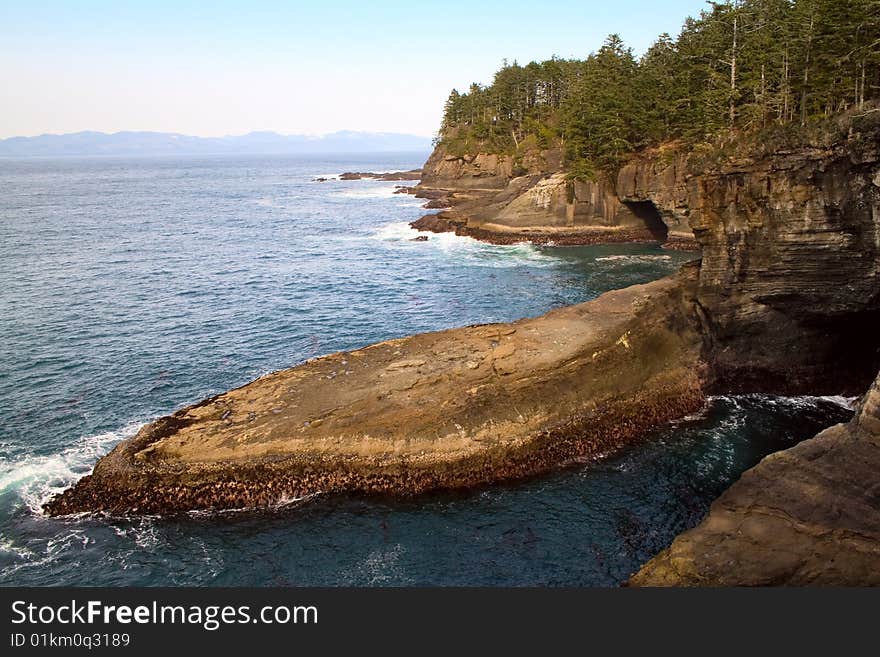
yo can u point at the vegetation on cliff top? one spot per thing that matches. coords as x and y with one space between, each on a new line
741 66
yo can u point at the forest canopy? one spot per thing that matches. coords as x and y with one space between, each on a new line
742 65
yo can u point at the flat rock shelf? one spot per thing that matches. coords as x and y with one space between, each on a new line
444 410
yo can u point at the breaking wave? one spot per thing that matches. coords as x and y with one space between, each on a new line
35 479
459 249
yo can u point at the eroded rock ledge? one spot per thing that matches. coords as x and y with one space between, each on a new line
806 515
453 222
452 409
495 199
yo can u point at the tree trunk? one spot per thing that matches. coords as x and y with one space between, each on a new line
806 73
862 93
763 98
785 87
733 72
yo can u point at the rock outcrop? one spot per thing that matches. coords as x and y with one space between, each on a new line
809 515
502 199
414 174
452 409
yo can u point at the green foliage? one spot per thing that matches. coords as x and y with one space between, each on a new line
581 169
743 67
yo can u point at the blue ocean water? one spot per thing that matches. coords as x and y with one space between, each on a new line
132 287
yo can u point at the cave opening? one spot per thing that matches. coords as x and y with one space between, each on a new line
648 213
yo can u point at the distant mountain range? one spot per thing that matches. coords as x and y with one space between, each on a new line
160 143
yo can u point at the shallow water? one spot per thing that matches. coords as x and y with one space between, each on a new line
132 287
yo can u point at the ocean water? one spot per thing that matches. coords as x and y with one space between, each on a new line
132 287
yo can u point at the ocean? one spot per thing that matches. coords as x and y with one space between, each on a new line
132 287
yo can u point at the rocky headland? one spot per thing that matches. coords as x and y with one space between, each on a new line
788 284
452 409
504 200
786 299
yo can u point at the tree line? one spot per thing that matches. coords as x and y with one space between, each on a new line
742 65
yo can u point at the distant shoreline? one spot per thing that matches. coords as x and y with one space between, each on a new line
89 156
87 144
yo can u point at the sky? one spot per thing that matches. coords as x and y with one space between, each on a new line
220 68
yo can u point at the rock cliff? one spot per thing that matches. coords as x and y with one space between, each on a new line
790 260
500 199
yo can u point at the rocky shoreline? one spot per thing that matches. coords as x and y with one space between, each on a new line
387 176
785 299
443 222
487 198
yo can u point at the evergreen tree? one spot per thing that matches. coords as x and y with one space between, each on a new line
741 65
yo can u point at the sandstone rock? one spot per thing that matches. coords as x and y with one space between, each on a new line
790 261
452 409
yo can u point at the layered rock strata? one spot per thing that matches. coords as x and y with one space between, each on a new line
790 278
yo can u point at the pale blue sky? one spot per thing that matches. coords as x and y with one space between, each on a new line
215 68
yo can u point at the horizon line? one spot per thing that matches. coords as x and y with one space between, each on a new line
313 135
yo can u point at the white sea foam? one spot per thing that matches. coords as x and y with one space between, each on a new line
466 250
284 502
386 191
381 566
847 402
398 231
627 259
6 545
794 401
37 478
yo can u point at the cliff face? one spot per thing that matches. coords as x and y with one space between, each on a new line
479 171
789 290
806 515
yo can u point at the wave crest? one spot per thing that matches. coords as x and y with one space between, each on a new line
35 479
